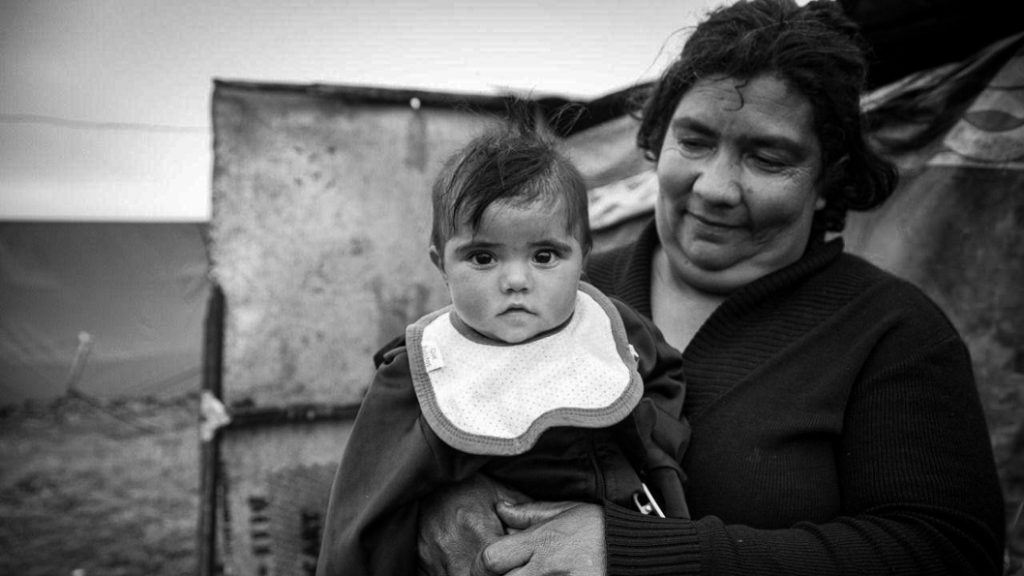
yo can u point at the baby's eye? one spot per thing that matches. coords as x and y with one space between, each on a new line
481 258
545 256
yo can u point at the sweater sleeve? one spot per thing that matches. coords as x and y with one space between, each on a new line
920 492
391 461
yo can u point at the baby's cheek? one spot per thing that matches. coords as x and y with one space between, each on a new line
469 304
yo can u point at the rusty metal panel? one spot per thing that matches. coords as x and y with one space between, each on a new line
320 229
318 242
273 493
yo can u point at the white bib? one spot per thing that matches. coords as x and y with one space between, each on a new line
486 397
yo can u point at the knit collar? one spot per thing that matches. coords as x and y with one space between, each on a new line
634 287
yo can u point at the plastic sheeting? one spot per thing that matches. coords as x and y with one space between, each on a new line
138 291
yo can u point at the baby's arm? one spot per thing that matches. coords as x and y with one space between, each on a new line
663 430
660 365
392 460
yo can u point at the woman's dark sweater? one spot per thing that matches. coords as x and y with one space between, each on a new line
836 425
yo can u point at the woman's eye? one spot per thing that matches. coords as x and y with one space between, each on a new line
693 145
769 164
481 259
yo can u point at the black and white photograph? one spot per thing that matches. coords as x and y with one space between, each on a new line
468 288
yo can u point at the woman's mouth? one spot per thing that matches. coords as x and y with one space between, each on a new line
713 222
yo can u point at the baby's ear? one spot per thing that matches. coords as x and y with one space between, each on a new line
438 259
586 256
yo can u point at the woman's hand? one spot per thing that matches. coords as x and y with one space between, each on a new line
564 538
458 522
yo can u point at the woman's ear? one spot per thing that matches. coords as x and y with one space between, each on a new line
831 178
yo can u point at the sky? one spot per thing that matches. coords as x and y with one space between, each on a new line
105 104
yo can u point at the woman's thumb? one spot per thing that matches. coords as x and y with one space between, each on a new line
523 516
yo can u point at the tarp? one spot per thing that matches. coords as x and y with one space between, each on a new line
955 225
907 36
126 299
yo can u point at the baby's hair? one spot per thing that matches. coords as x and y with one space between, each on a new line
515 165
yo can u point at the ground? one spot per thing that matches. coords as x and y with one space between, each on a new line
100 488
111 488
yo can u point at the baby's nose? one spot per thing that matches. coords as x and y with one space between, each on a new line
515 277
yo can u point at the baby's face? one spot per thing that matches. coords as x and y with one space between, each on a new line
517 276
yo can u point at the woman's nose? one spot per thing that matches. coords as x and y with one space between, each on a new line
515 277
718 181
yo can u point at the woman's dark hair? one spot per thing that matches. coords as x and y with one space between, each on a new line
516 165
817 50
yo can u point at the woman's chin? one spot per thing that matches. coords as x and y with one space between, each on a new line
712 259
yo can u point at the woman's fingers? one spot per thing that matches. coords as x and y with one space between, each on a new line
522 516
456 523
503 555
560 538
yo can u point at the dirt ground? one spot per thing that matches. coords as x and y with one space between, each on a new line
111 488
100 488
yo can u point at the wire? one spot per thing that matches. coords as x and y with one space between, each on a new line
96 404
94 125
167 381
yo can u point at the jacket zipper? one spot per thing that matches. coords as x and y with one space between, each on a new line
599 480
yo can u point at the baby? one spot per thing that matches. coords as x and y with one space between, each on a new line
530 376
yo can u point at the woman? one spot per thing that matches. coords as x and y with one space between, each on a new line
836 424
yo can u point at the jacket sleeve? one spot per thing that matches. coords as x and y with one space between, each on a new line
920 491
391 461
663 430
659 364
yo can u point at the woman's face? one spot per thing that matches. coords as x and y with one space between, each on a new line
738 181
